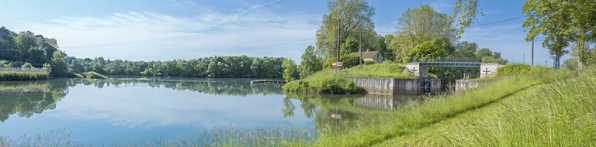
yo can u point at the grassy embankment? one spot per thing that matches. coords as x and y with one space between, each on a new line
328 81
561 113
433 111
91 75
18 74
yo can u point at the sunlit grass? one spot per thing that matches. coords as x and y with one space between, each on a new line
378 70
333 81
22 75
432 111
295 135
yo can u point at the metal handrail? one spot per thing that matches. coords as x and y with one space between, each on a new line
445 59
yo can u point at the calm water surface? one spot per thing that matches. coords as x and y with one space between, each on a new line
144 109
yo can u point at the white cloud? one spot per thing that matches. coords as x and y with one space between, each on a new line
156 36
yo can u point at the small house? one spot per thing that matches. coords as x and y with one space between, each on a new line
370 55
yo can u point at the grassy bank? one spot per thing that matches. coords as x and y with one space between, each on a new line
431 111
22 75
326 81
91 75
330 81
223 136
378 70
560 113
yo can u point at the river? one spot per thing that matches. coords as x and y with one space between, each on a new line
140 110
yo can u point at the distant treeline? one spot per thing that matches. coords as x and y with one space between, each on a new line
212 67
27 49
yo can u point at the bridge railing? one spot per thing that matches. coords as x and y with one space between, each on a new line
444 59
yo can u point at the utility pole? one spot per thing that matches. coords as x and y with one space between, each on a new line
360 49
533 51
338 42
533 47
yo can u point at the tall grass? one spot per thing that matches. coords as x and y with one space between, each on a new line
332 81
431 111
560 114
22 76
378 70
91 75
224 136
325 81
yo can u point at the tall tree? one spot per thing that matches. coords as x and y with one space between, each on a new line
464 13
352 15
289 68
58 64
310 62
583 22
419 25
550 18
466 49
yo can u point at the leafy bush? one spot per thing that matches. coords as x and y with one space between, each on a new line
370 62
348 61
378 70
90 75
513 69
22 76
94 75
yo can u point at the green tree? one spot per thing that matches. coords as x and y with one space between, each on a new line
310 63
7 42
59 66
381 46
434 48
483 53
353 16
464 13
289 68
4 63
552 19
466 49
570 64
583 27
27 65
419 25
351 45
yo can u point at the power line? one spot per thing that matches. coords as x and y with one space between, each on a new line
264 47
500 21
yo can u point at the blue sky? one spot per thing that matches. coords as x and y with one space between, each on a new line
188 29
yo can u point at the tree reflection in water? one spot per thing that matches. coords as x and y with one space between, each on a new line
33 97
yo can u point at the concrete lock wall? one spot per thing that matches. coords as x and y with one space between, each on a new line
391 86
465 84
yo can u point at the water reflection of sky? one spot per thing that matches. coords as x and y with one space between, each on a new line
141 113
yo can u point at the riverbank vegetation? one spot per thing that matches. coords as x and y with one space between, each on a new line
332 81
325 81
222 136
22 74
445 107
91 75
